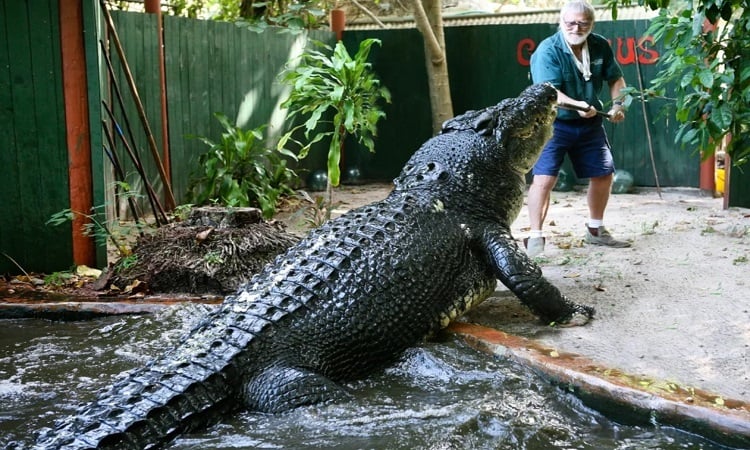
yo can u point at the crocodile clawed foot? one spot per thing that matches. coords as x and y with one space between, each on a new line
581 315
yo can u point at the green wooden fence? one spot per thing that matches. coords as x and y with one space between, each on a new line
219 67
211 67
33 150
489 63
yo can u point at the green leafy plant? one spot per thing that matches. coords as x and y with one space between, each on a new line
213 258
57 279
127 262
238 170
181 212
105 230
338 84
704 73
318 210
293 18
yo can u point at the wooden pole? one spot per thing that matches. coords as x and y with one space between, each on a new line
646 123
338 22
169 197
707 170
154 7
77 127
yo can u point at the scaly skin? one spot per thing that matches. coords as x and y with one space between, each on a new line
354 294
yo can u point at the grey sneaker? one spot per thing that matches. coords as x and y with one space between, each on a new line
605 239
534 246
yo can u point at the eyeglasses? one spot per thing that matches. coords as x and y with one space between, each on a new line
581 25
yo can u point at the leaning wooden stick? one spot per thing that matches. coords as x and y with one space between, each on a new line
169 196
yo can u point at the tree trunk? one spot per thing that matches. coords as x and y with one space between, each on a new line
429 19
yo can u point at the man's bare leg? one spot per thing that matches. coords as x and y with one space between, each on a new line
538 199
538 204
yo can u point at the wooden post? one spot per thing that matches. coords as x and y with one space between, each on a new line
154 7
77 127
706 179
338 22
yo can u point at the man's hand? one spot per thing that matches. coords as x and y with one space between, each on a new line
589 112
616 114
584 109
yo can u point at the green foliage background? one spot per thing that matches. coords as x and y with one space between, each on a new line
704 72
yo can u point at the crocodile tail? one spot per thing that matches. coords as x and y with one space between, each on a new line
185 390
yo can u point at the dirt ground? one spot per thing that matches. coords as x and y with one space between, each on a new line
674 307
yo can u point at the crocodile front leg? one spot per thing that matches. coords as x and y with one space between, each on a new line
524 278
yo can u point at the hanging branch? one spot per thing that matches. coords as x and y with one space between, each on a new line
368 13
423 25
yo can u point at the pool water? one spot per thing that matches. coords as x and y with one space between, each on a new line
441 395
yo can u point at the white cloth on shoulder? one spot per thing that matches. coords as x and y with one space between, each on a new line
584 64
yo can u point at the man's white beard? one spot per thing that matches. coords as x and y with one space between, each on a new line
576 39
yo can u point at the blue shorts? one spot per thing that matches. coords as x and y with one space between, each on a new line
584 141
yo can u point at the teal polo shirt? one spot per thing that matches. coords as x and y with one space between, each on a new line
552 62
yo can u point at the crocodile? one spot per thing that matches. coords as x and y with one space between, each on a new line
350 297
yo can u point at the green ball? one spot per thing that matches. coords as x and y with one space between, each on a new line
352 175
565 182
622 182
317 180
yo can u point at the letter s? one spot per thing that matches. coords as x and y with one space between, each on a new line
646 54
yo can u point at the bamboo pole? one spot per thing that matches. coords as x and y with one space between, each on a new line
645 123
155 205
169 196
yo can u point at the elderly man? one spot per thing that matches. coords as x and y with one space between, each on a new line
577 62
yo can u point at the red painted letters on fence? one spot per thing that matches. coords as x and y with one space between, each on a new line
626 50
524 49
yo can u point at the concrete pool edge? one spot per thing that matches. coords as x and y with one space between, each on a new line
621 396
17 307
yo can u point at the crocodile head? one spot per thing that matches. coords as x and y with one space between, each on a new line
478 161
526 125
520 126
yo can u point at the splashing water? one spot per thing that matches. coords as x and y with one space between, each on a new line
440 396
